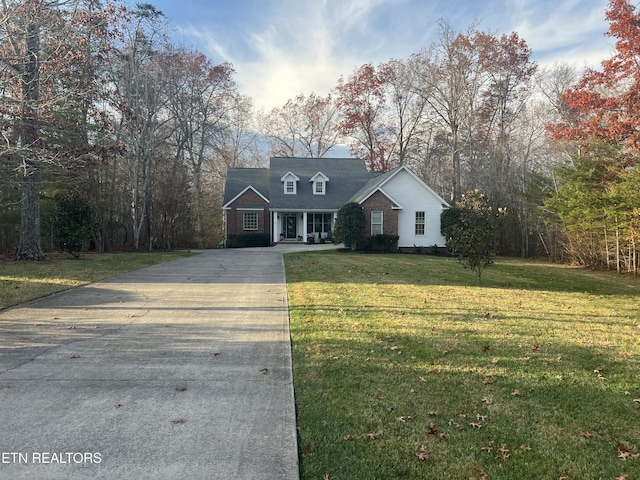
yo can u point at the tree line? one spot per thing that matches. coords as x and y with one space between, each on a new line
97 100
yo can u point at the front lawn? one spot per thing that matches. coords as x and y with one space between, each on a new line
404 368
24 281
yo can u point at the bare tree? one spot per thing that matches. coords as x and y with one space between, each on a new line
45 72
141 99
199 105
304 127
449 76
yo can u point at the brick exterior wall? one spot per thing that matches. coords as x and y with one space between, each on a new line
379 202
234 217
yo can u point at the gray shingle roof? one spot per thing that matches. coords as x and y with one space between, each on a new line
240 178
347 178
371 185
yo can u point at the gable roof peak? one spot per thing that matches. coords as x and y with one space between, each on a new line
320 175
290 174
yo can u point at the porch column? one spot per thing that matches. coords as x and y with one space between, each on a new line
276 236
304 226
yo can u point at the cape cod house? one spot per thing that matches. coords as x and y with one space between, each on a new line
297 200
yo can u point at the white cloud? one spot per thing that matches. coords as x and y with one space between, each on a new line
283 48
301 47
572 32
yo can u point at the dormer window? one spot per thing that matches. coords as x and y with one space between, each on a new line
319 183
290 187
290 182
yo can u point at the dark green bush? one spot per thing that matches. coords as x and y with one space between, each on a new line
73 221
383 242
350 225
242 240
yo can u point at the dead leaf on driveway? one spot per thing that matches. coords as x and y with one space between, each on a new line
178 420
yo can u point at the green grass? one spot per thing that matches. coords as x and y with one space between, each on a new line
398 355
24 281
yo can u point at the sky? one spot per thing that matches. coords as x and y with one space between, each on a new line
282 48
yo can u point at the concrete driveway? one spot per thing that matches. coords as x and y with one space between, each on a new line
177 371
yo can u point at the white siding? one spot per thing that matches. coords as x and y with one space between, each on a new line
413 197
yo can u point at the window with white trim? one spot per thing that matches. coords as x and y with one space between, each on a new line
376 222
420 223
290 187
250 221
318 188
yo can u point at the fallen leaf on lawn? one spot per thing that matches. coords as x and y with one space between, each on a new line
488 446
433 413
349 438
177 420
486 348
504 452
306 448
455 424
524 448
483 476
422 379
117 405
372 436
421 454
181 389
475 425
516 393
586 434
536 347
622 477
423 457
400 419
481 418
487 400
461 416
598 372
623 455
432 429
494 360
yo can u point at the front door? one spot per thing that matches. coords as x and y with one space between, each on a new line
292 226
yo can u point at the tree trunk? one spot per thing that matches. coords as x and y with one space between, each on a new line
29 247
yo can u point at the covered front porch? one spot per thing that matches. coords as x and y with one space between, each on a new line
303 226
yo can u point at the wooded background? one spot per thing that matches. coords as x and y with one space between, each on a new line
99 105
